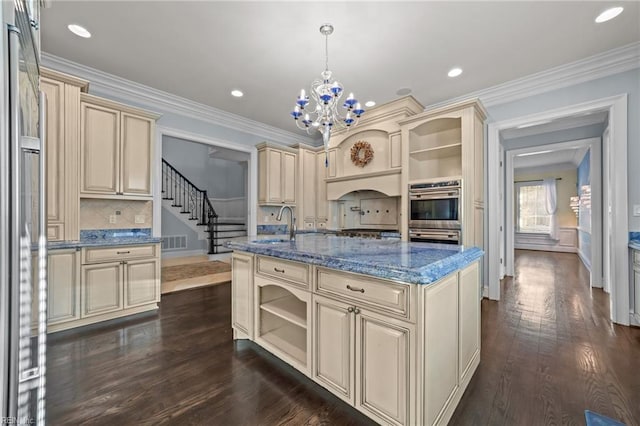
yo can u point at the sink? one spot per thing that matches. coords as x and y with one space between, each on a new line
270 241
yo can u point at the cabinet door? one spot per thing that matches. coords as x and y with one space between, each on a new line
274 176
137 152
102 286
321 192
308 199
469 293
289 178
440 371
333 347
63 293
99 149
383 367
141 282
242 293
636 280
55 137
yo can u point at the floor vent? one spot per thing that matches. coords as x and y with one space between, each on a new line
174 242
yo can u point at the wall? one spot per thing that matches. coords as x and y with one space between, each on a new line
566 187
584 217
171 226
613 85
94 213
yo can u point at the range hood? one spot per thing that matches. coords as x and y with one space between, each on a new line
386 182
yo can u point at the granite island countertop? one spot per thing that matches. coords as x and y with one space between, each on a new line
417 263
107 237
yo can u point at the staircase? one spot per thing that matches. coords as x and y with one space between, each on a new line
196 210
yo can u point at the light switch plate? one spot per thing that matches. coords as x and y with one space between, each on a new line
112 218
139 218
636 209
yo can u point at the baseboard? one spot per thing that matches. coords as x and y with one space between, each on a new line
586 262
182 253
544 247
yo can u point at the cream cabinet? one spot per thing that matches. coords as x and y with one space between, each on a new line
242 295
116 149
63 303
312 191
102 288
96 284
322 205
277 175
62 134
635 257
443 144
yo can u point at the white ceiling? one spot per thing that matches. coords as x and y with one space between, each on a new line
558 157
270 50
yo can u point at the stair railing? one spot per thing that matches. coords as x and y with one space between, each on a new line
192 200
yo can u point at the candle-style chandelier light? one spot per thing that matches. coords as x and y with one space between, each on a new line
326 93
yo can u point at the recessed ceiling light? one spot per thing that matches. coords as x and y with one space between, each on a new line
79 30
237 93
404 91
369 104
609 14
454 72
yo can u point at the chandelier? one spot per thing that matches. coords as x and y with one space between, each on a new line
326 94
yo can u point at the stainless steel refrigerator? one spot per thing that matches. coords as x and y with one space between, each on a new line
23 289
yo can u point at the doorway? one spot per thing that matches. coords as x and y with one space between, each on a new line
614 149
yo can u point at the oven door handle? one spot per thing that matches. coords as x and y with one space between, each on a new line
434 195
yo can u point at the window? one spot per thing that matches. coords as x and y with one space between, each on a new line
531 210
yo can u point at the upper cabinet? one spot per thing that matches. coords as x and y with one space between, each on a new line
62 135
278 175
116 149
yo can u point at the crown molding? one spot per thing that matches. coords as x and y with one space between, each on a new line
607 63
106 84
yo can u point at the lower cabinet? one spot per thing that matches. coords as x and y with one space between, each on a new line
242 295
401 354
102 288
101 283
364 358
63 298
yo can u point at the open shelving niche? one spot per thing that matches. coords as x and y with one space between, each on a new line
435 149
283 321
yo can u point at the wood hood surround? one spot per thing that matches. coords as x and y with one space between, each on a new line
379 127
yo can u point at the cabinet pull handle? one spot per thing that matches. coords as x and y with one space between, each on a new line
356 311
361 290
123 252
279 270
350 309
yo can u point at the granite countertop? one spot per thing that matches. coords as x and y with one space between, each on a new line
418 263
634 240
634 245
107 237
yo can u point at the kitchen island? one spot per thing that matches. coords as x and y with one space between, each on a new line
390 327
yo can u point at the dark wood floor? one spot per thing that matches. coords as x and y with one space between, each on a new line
548 353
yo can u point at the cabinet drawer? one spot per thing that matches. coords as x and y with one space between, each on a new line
385 296
109 254
296 273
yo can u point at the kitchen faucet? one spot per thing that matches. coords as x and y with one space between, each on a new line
292 222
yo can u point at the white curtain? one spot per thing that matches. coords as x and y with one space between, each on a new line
551 204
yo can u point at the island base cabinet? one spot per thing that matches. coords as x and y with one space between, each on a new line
242 295
383 364
364 358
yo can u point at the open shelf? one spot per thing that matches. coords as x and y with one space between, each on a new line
290 339
450 150
289 308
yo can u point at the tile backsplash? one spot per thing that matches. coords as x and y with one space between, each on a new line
97 214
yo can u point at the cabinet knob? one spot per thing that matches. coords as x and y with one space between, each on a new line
279 270
356 311
361 290
350 309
